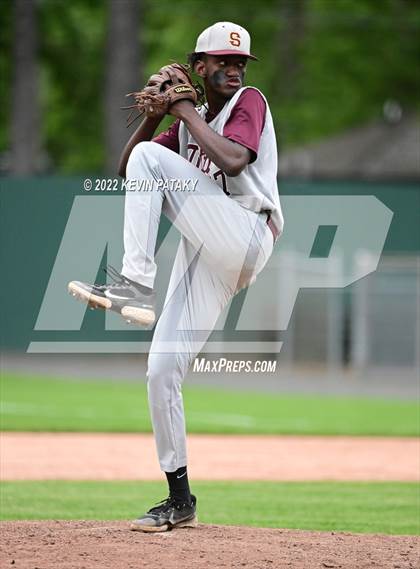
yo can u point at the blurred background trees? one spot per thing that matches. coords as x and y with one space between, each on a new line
123 71
25 135
324 65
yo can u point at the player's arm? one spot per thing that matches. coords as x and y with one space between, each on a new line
229 156
145 131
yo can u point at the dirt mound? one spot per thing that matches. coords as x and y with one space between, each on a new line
110 545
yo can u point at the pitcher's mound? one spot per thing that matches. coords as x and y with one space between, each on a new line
103 545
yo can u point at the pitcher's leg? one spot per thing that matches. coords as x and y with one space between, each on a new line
207 217
142 213
231 239
141 223
195 299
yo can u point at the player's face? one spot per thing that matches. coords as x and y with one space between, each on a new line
225 73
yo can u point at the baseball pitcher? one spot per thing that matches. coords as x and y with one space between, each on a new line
213 174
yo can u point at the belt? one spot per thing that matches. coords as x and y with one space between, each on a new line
272 226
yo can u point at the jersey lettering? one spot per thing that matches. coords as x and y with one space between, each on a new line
205 166
199 158
222 176
193 148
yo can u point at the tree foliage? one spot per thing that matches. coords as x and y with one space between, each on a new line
324 65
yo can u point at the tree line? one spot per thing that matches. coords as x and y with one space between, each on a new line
324 65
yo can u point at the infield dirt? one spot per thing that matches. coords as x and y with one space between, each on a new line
110 545
119 456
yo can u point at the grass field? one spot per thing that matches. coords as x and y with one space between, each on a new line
48 404
390 508
53 404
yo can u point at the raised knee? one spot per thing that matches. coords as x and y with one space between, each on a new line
147 146
143 157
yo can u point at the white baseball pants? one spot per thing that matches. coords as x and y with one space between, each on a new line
223 247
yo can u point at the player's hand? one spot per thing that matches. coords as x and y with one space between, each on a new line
182 108
164 89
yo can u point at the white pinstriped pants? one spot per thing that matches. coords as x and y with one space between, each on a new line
223 247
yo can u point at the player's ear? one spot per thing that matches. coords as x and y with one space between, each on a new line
200 68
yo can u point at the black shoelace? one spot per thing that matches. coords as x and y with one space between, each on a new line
162 506
166 505
118 280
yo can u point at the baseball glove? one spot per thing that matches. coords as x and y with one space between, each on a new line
169 85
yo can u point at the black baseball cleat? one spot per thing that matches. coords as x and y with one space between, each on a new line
167 515
133 301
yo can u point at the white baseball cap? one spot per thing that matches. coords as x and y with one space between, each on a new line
224 38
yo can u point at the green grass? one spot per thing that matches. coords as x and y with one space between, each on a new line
49 404
390 508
